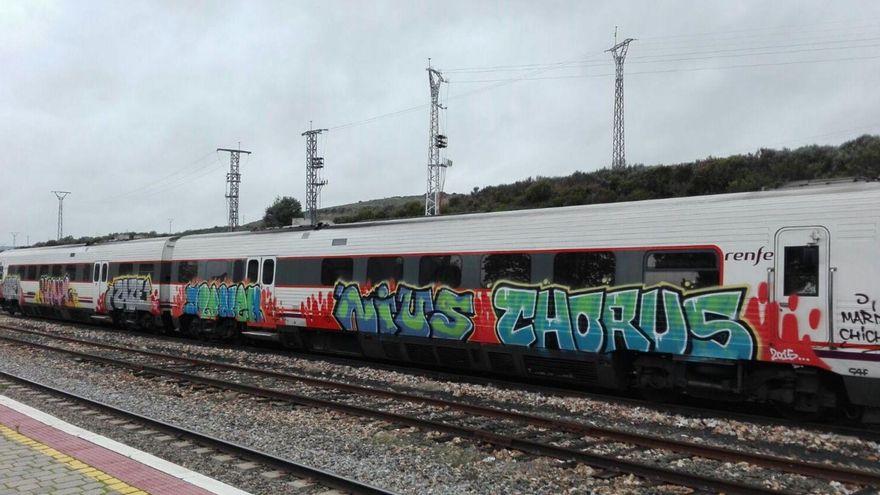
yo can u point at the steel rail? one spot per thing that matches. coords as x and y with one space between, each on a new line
325 478
713 411
606 462
811 469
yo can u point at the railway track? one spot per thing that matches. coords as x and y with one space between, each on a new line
749 413
320 478
537 435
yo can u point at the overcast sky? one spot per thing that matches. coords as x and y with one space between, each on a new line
124 103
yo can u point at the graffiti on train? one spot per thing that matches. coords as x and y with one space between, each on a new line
132 293
246 303
658 319
56 291
11 288
860 325
406 311
661 319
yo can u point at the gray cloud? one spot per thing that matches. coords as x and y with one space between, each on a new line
105 99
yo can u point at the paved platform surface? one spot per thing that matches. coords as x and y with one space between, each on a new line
40 454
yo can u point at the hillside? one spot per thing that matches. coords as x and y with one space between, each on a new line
765 169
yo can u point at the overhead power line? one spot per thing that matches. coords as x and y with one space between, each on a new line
711 54
772 30
533 71
170 181
664 71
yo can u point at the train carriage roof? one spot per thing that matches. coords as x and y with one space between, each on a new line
671 221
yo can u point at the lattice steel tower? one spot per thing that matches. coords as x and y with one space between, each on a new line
618 52
314 182
233 179
61 195
436 142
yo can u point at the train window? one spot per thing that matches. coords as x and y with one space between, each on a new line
216 270
268 271
96 276
336 269
686 269
582 270
186 271
56 270
253 270
32 272
238 271
70 272
445 270
44 270
105 267
507 267
147 269
298 271
13 270
384 269
83 272
801 270
126 269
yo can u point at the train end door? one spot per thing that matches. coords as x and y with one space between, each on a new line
803 285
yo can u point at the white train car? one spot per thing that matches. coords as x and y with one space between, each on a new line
79 282
763 296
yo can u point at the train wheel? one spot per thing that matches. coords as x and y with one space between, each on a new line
145 322
195 327
853 413
227 329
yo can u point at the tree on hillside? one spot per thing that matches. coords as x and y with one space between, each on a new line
282 212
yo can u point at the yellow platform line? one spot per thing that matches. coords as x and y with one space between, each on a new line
75 465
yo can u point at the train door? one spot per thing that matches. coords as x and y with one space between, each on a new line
267 276
261 271
802 285
252 276
99 280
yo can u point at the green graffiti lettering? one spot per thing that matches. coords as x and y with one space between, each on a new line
515 309
452 315
662 319
414 306
557 321
619 316
386 308
715 328
585 310
350 310
243 304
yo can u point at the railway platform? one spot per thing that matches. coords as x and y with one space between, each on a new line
41 454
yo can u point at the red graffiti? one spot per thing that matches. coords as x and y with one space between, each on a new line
815 317
789 347
155 309
484 319
318 311
177 301
273 312
101 304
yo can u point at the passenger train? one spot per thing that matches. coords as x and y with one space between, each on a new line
766 296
